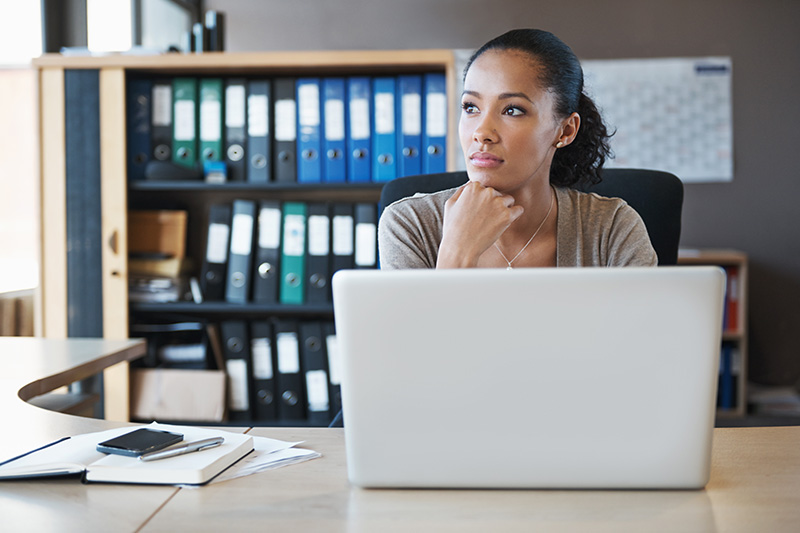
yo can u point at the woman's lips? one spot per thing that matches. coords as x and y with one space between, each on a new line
485 160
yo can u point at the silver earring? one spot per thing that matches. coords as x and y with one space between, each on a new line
560 144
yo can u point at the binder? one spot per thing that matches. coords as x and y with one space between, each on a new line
265 401
314 363
259 145
184 123
359 129
237 288
161 120
334 367
384 131
334 122
725 394
235 128
342 237
409 112
288 377
309 121
366 236
266 268
213 271
139 97
285 130
318 274
292 286
236 349
434 158
211 119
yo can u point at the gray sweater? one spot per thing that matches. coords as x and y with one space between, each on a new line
592 231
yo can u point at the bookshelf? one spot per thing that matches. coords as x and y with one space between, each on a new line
734 356
74 166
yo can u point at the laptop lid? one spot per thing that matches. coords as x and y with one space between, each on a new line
530 378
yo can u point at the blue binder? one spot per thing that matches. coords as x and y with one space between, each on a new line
434 158
139 139
409 113
384 129
309 122
335 127
359 129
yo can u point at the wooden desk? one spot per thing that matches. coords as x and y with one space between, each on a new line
755 486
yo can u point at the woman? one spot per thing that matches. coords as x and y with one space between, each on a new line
529 136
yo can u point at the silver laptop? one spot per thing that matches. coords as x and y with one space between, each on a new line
532 378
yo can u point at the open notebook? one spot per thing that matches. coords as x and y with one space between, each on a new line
75 455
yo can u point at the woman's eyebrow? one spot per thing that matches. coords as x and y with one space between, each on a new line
502 96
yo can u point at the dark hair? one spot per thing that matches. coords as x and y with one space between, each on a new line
578 163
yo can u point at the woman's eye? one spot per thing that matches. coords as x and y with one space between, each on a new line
469 108
513 111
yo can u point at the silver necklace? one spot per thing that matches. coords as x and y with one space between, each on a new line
509 267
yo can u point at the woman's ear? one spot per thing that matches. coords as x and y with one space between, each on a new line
569 129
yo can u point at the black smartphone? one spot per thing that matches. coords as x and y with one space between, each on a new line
139 441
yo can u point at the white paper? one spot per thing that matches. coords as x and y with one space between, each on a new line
269 227
343 235
235 106
366 244
359 119
317 390
210 120
184 120
412 114
288 353
262 358
384 113
436 115
257 115
334 120
308 100
217 251
268 454
162 105
238 391
285 120
318 235
294 235
242 238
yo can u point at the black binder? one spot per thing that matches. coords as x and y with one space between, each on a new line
265 402
318 274
288 372
266 268
342 237
284 132
334 367
315 369
161 120
366 236
236 348
240 258
215 264
236 128
139 95
259 149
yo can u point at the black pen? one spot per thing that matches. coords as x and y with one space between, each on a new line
189 447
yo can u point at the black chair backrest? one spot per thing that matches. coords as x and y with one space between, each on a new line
657 197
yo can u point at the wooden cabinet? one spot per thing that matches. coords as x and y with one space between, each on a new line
732 393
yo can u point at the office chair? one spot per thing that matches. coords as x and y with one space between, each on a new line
657 197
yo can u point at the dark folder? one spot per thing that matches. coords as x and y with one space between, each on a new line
236 128
259 142
266 268
265 401
236 348
139 110
184 122
210 119
366 236
342 237
288 376
215 263
315 369
309 125
335 129
285 131
334 368
318 268
237 289
359 129
161 120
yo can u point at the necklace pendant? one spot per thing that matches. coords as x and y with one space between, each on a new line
509 267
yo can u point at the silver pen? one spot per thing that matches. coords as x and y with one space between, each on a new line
189 447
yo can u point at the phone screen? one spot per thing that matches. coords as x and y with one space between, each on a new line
139 441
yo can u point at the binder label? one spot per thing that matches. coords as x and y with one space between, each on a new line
217 251
285 120
334 364
210 120
258 115
317 390
262 358
184 120
235 106
237 384
294 230
308 96
359 118
162 105
384 113
242 238
288 353
318 235
412 114
366 244
269 228
334 120
343 235
436 123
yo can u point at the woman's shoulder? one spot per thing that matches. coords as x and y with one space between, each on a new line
421 203
590 205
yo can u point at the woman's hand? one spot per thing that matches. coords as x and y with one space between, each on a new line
474 218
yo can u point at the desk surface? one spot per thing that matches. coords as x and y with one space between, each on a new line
755 486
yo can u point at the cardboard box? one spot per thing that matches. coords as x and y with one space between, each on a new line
160 232
164 394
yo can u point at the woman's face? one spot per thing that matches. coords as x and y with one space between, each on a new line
508 128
